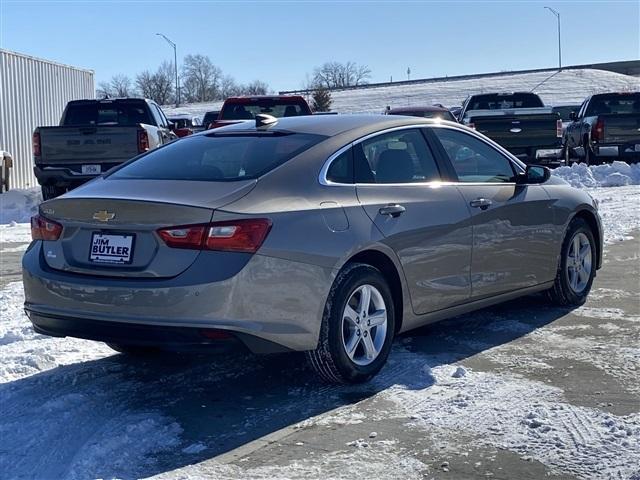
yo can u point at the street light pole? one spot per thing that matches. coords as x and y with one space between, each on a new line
557 14
175 64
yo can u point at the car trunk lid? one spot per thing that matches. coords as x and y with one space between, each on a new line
110 226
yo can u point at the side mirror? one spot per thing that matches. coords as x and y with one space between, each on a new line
573 116
533 174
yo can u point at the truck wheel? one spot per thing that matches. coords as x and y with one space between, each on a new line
577 267
52 191
357 327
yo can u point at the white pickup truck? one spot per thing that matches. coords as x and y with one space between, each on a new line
93 137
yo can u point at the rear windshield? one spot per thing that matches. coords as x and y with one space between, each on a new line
442 115
501 102
248 109
616 104
107 113
219 157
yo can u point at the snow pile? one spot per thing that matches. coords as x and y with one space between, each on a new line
19 205
616 174
619 208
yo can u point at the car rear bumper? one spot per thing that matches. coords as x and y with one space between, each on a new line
545 155
270 301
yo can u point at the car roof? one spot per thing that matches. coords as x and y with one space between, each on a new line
328 125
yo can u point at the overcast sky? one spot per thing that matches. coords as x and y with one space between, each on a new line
280 42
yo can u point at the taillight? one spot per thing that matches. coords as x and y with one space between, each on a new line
559 128
44 229
36 144
143 141
189 236
597 131
245 235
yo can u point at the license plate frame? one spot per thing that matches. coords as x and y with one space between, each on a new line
92 169
114 240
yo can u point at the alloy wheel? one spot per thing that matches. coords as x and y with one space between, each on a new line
364 325
579 260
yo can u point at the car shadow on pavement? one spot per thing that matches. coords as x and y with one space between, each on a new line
202 406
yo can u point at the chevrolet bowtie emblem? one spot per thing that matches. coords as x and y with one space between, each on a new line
103 216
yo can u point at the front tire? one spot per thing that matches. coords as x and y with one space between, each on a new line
357 328
577 267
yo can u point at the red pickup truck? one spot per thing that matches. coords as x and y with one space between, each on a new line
239 109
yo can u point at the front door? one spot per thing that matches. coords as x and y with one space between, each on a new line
426 223
512 224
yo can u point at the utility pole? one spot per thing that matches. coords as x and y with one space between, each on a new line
175 64
557 14
408 73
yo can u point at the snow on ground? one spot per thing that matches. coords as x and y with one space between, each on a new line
567 86
616 174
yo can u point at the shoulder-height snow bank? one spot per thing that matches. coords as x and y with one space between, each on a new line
616 174
19 205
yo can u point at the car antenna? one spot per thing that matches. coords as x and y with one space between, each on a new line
263 120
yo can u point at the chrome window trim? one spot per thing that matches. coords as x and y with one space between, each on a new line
518 166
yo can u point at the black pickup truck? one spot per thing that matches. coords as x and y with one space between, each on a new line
519 122
93 137
607 127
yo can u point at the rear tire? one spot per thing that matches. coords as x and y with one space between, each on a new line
577 266
134 350
352 350
52 191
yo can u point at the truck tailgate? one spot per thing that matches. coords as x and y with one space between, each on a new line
100 144
519 130
621 128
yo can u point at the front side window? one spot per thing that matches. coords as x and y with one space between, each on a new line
218 157
472 159
402 156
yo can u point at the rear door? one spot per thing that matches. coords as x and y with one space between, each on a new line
512 224
425 222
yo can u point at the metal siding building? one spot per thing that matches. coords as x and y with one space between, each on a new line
34 92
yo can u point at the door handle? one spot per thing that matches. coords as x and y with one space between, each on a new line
481 203
392 210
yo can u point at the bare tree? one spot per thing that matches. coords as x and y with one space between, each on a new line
201 79
337 75
104 90
229 87
157 86
121 86
257 87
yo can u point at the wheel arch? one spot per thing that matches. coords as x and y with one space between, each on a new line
389 270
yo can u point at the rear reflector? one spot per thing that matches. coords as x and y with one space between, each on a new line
245 235
213 334
597 132
36 144
143 141
44 229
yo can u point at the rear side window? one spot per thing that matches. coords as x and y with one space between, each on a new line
402 156
341 169
472 159
107 113
218 157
